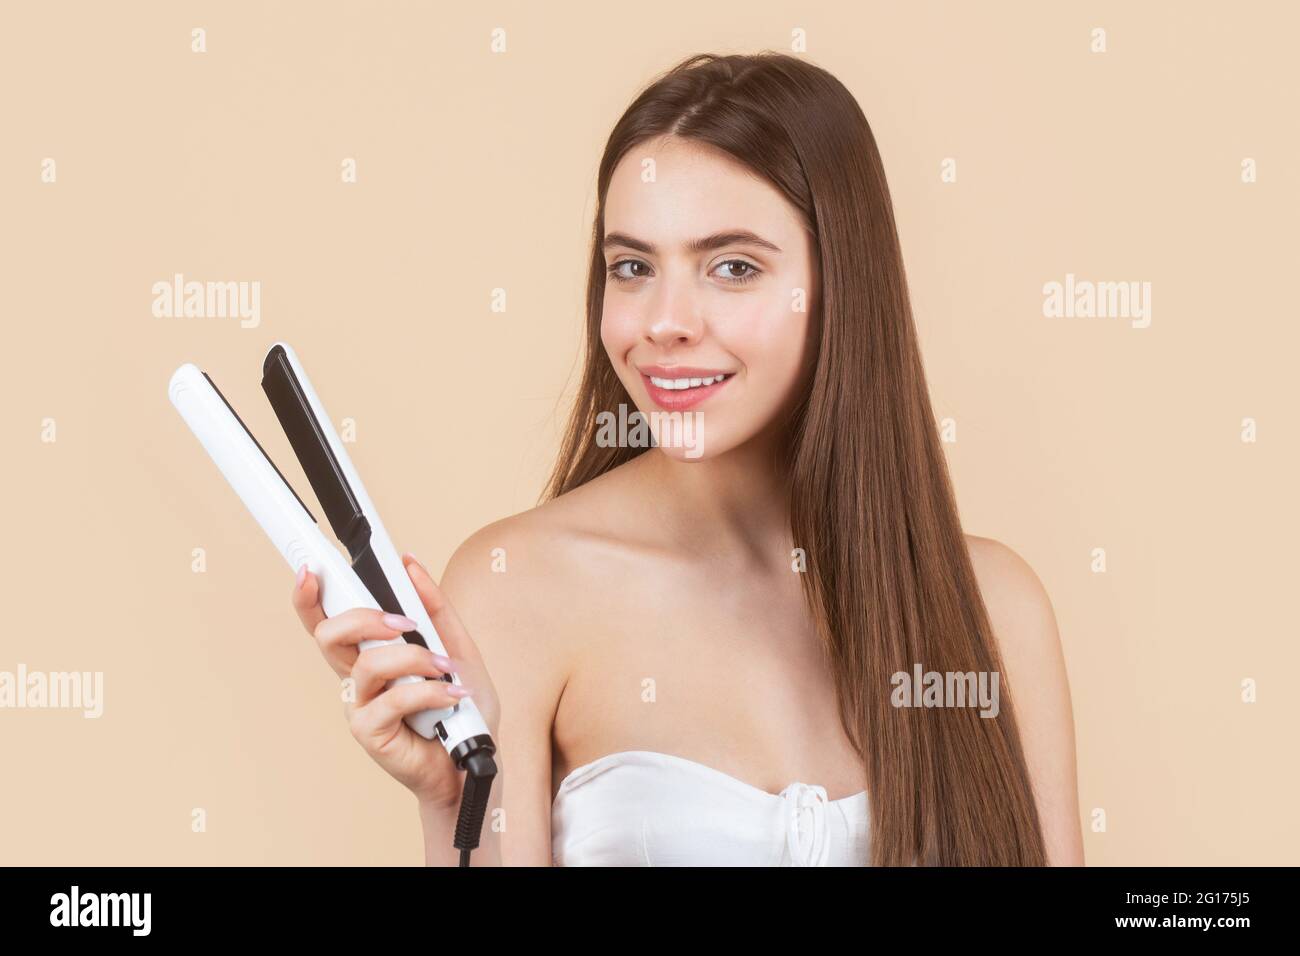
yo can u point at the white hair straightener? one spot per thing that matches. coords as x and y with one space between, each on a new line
375 578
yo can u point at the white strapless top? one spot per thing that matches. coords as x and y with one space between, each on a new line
644 808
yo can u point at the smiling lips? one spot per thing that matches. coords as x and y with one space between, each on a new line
676 388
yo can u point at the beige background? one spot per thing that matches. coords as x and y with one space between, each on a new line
477 171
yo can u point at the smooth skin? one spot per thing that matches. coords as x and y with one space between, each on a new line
655 607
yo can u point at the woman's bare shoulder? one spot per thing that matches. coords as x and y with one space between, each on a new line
1009 586
1024 624
555 533
1021 615
521 578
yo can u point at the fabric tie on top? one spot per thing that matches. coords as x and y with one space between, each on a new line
806 815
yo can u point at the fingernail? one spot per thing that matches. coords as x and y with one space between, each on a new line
302 576
458 690
443 663
416 561
399 623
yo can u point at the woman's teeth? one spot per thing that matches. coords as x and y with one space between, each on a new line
686 382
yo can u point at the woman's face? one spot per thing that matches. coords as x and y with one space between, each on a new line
710 277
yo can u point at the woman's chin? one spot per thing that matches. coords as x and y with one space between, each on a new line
686 455
694 446
691 436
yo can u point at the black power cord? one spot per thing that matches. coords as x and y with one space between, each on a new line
480 770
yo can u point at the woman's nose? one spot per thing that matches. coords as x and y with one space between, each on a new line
673 319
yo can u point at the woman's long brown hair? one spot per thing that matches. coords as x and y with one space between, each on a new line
889 580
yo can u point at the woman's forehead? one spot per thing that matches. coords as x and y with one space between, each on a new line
672 197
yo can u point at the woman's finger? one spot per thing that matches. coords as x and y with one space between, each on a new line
378 665
375 724
445 621
306 599
359 624
338 636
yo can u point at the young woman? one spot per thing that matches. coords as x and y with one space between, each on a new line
696 651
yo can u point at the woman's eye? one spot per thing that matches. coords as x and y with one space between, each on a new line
730 275
613 270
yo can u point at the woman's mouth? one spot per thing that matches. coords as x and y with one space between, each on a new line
677 390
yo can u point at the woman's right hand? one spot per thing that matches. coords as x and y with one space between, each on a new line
375 714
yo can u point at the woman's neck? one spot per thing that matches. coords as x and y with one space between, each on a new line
736 502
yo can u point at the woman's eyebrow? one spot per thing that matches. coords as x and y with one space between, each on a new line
703 244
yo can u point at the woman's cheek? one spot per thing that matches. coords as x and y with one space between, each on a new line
769 338
617 334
